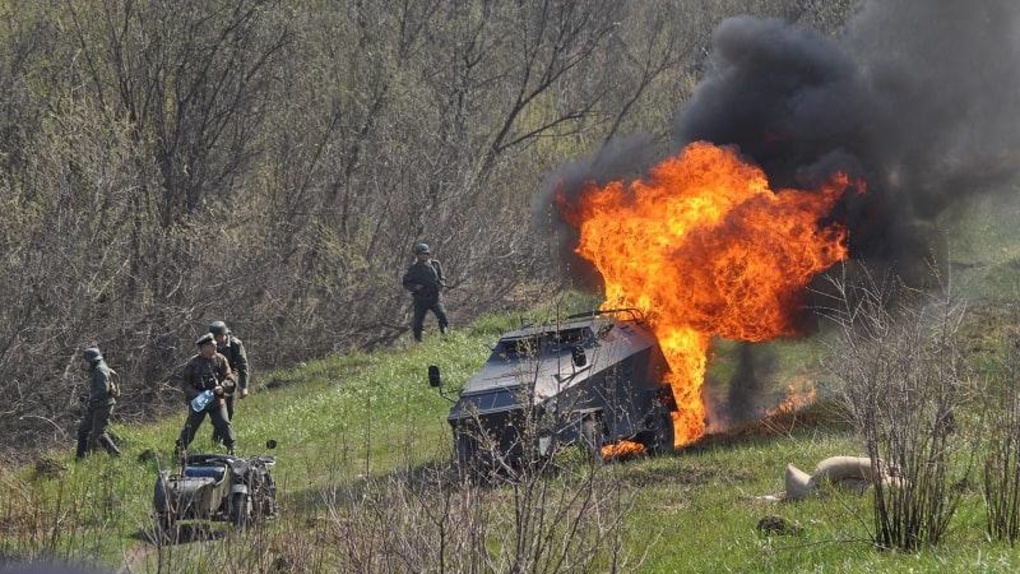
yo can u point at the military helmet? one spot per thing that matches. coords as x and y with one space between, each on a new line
218 328
207 338
421 248
92 354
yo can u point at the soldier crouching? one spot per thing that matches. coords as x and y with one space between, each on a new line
206 371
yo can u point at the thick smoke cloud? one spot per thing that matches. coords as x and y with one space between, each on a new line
754 365
787 96
622 159
919 99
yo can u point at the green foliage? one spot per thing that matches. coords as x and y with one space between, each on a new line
140 202
554 308
352 429
163 165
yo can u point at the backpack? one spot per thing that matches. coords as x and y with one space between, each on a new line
114 384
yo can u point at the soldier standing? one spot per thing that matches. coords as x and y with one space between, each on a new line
206 371
424 279
233 349
102 397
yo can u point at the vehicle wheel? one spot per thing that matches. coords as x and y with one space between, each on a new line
468 459
166 529
659 439
269 506
264 505
258 493
466 448
240 509
592 439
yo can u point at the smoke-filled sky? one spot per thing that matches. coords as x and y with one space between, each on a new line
921 99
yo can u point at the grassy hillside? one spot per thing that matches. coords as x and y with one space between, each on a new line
364 481
352 429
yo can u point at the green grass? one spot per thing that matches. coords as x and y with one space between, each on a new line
345 423
351 427
334 419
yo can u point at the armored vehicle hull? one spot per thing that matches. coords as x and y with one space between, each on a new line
592 380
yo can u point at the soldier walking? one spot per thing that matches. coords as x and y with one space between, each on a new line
102 397
424 279
233 349
206 371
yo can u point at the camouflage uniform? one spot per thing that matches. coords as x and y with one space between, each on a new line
198 375
238 360
99 407
424 279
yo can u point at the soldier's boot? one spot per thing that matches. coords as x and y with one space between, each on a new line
417 336
83 448
444 328
230 450
109 445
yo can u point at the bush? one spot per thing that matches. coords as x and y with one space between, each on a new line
900 365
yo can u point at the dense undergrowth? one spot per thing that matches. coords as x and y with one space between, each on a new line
365 482
365 486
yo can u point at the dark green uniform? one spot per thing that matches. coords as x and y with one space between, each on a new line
98 408
424 279
198 375
233 350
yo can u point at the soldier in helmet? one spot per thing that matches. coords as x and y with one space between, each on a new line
424 279
99 407
206 371
233 349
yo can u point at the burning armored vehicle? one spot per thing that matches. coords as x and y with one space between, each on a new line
215 487
592 379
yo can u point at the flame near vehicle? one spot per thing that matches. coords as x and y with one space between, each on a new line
706 249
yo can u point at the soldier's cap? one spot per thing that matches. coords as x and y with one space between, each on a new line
218 328
421 248
92 354
207 338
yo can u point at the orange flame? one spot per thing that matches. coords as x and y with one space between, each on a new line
795 400
707 249
622 449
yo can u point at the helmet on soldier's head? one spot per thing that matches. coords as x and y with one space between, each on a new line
218 328
421 248
92 354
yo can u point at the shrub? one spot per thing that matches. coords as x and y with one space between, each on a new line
899 361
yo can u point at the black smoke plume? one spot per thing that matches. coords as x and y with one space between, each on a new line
754 365
921 100
621 159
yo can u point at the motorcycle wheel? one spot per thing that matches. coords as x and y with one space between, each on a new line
240 509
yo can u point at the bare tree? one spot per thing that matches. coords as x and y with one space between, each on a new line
900 364
163 164
1001 476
